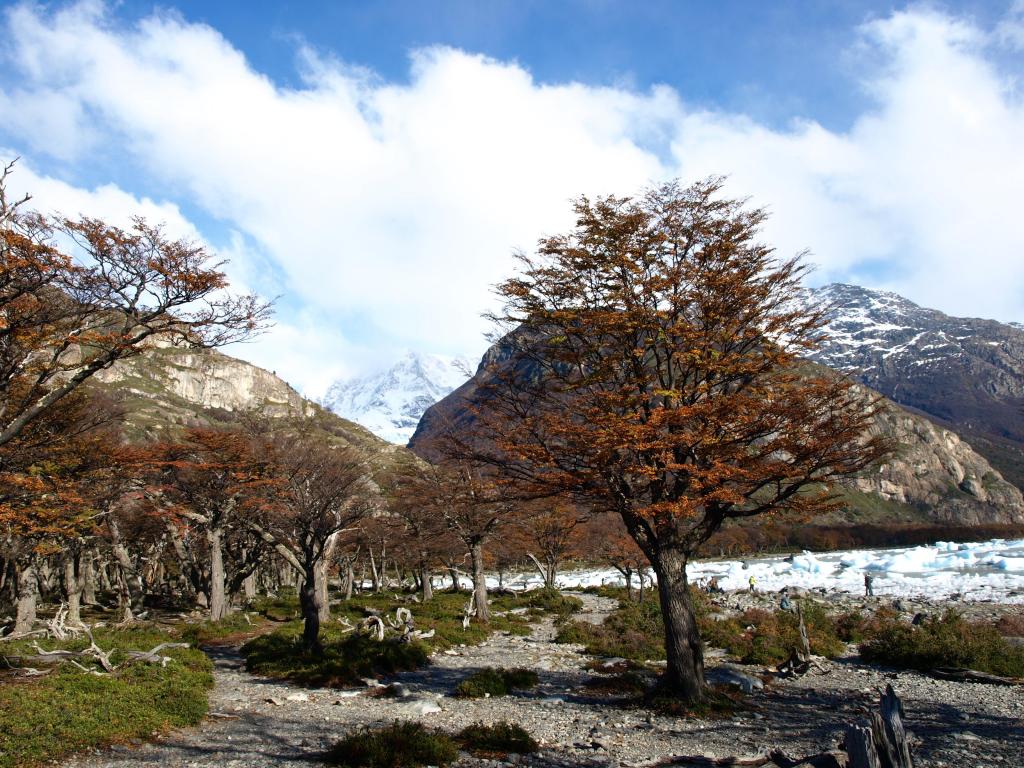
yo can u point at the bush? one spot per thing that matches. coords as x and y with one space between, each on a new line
769 637
623 682
497 740
496 682
343 662
1011 625
399 745
44 719
634 631
551 600
944 641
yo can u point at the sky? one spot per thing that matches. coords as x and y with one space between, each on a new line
374 166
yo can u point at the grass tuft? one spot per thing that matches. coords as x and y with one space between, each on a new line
399 745
496 682
497 740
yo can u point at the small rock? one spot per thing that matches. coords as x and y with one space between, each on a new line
297 697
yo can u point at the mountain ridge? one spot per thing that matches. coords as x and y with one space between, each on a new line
965 374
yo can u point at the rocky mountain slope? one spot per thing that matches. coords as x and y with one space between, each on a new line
965 373
390 402
168 388
933 476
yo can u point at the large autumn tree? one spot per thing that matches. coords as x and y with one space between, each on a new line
651 365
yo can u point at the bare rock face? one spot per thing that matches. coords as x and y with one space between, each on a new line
167 388
936 472
207 379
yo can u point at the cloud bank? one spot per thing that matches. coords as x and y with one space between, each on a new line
384 211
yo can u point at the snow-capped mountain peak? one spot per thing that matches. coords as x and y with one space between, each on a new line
390 402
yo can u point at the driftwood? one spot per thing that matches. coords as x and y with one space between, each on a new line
883 743
801 660
973 676
774 759
880 744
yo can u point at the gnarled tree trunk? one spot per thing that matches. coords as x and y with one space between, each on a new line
28 597
483 611
684 675
218 596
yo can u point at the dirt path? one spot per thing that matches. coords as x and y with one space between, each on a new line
271 723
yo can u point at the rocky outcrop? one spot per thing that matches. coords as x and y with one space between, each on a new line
939 475
965 373
934 475
167 388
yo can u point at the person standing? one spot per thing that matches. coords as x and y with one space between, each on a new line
752 581
869 584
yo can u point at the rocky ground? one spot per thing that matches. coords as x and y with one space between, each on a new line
258 722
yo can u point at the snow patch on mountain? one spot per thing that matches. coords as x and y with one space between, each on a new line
390 402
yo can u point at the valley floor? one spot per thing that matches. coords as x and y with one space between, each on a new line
259 722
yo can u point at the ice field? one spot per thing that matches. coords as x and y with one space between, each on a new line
989 570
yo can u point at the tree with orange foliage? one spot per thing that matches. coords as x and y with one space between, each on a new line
550 532
63 318
210 480
650 366
52 481
606 539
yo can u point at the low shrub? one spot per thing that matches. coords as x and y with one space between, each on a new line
634 631
399 745
210 631
620 683
343 662
769 637
497 740
47 718
1011 625
493 681
551 600
944 641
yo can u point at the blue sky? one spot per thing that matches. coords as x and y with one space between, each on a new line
375 164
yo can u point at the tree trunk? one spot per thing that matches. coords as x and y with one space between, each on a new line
218 598
309 602
454 574
73 590
87 567
322 595
483 611
350 577
425 585
684 675
28 596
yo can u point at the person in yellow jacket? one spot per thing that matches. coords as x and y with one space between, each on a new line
752 581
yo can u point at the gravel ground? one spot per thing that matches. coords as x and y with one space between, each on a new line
259 722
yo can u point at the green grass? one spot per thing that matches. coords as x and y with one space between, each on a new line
632 631
944 641
635 631
347 658
344 661
496 682
497 740
210 631
399 745
45 719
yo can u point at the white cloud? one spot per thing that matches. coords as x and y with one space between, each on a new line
393 207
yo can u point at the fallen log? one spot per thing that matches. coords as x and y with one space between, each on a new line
973 676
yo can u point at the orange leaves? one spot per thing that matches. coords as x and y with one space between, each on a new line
650 366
